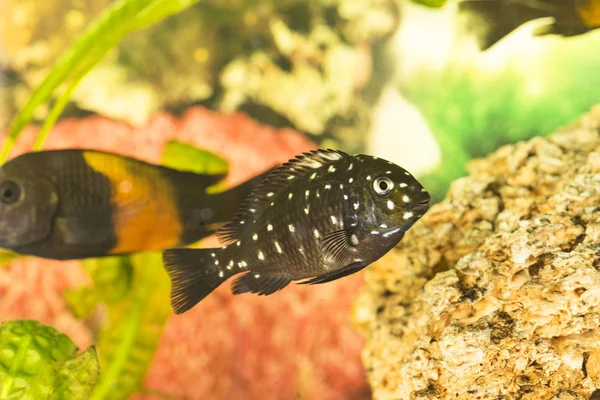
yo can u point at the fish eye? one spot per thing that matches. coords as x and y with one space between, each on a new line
383 186
10 192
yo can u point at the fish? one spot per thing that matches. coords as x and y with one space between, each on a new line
80 203
318 217
492 20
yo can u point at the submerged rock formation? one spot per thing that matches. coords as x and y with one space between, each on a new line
495 293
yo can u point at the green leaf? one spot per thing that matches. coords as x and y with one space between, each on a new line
431 3
7 256
133 326
38 362
103 34
185 157
112 277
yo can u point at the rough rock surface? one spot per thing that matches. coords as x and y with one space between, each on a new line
495 293
299 344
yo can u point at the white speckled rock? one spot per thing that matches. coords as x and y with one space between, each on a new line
495 292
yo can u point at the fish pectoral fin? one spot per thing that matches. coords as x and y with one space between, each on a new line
263 284
337 248
337 274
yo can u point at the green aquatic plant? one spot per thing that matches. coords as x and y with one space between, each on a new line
431 3
38 362
472 111
134 291
103 34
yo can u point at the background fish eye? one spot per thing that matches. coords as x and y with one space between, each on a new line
383 185
10 192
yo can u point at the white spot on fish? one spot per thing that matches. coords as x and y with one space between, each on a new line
388 172
355 205
255 237
345 197
341 185
391 232
368 177
331 168
306 193
354 239
328 186
272 203
405 198
350 180
290 195
383 226
278 247
213 255
256 276
374 232
306 210
318 194
252 210
242 264
402 185
406 173
270 194
313 175
407 215
238 243
301 249
290 177
221 274
242 222
291 228
390 204
216 262
350 166
333 219
316 233
269 227
261 255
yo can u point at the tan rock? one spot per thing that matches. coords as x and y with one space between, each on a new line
495 293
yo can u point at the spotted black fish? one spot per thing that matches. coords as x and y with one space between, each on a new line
72 204
323 215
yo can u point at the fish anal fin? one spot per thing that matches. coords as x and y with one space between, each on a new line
259 199
336 274
263 285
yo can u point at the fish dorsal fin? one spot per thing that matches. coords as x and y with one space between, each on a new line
280 177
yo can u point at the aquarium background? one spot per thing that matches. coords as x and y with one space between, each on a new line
254 83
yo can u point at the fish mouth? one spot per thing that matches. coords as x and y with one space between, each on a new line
422 206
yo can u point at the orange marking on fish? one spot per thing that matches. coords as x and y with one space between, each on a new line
144 214
589 12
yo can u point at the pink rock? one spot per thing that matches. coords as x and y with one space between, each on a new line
295 344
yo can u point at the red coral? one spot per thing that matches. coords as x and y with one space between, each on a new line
297 343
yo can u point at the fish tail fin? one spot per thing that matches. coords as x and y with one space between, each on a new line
194 274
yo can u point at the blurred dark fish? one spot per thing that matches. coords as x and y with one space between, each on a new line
72 204
495 19
322 215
